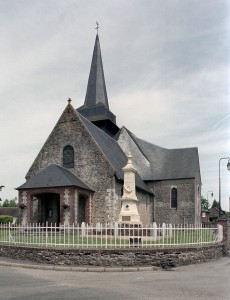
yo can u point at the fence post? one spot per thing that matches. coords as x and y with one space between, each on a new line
98 227
163 233
83 228
46 234
115 229
170 230
220 233
154 230
9 234
163 229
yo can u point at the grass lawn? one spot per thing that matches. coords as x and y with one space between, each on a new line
69 239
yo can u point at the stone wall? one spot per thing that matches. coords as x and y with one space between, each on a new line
197 188
185 211
228 235
164 258
90 163
10 211
34 212
145 207
226 231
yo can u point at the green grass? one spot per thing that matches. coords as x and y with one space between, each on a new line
78 241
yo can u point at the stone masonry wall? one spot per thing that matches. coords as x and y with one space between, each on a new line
164 258
185 211
90 164
228 235
197 187
67 196
145 207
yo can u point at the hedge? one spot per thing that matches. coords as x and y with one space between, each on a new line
6 219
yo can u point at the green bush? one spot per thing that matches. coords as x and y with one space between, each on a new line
6 219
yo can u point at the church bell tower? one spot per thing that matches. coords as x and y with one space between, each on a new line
96 106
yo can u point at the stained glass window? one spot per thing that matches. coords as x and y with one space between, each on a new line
68 157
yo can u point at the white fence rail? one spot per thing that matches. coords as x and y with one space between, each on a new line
110 235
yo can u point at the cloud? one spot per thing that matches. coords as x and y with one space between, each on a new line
166 67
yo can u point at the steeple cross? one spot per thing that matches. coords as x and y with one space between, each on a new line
97 26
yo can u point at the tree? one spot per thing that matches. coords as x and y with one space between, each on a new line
215 204
10 203
204 203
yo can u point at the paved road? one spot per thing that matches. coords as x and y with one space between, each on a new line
202 281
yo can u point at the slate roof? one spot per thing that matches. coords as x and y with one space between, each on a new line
96 88
96 105
112 151
166 163
54 176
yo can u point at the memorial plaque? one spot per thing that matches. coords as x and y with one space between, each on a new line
126 218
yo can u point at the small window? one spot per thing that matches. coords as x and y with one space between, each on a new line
68 157
174 197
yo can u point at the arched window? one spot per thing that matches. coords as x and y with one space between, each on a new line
174 197
68 157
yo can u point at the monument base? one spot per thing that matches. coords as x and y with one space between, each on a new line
129 219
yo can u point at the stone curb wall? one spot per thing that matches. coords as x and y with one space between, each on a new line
163 258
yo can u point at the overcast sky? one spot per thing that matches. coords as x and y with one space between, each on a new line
166 67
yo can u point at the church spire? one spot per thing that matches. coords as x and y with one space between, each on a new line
96 90
96 106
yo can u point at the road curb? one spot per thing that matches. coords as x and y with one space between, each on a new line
80 268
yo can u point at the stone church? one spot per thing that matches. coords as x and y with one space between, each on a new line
78 174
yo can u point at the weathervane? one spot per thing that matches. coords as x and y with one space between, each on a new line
97 26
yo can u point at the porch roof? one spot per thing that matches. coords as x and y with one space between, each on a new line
54 176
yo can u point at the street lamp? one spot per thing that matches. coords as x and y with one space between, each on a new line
1 186
228 167
211 194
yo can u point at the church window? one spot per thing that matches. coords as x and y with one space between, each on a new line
174 197
68 157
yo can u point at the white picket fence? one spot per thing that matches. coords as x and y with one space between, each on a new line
110 235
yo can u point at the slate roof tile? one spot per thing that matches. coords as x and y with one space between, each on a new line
54 176
167 163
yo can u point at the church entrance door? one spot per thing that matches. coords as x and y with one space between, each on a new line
50 208
82 209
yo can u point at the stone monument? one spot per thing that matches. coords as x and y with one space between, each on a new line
129 212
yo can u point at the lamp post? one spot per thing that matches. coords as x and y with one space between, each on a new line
228 167
211 194
1 187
